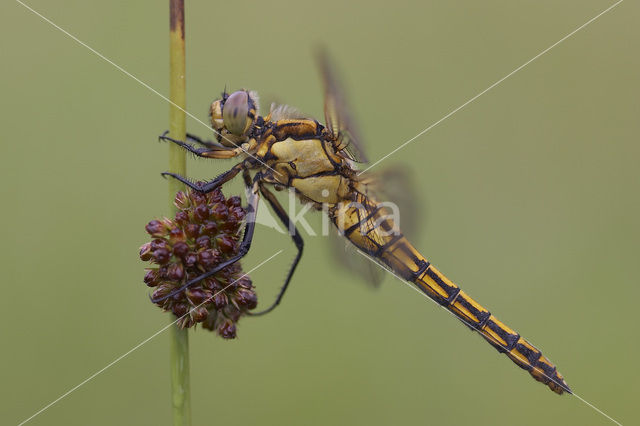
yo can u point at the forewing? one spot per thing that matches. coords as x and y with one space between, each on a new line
336 113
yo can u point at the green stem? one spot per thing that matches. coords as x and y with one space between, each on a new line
181 399
180 392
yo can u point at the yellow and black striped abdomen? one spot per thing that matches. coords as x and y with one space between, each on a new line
477 318
368 226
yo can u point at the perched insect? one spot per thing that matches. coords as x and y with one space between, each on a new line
318 162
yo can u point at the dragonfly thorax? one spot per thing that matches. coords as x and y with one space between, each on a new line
302 158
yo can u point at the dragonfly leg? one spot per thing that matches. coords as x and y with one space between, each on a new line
295 236
245 245
210 185
211 151
200 141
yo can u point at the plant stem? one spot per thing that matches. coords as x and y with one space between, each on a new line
180 387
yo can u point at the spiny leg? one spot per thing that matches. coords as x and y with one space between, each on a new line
195 139
295 236
210 185
242 250
212 151
200 141
192 149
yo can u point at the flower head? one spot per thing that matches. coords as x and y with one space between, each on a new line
205 232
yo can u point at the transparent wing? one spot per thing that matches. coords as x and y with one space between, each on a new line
347 257
394 185
336 114
282 111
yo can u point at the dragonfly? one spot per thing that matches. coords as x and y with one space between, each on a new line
319 162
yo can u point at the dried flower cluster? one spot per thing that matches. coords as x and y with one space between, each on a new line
205 232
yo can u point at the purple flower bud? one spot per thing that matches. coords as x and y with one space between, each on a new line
162 291
201 212
209 284
159 244
237 214
244 282
220 300
216 196
155 228
162 272
230 226
192 230
175 235
234 201
199 314
180 309
182 201
145 252
182 218
180 249
227 330
151 277
220 211
195 295
197 198
161 256
225 244
208 258
246 298
227 283
203 242
190 259
175 272
209 228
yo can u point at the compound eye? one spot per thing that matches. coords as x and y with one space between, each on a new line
235 113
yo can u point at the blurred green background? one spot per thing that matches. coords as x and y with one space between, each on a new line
531 200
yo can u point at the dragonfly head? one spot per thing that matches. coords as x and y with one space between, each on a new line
233 116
